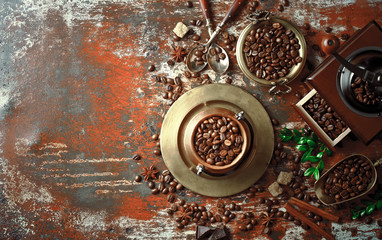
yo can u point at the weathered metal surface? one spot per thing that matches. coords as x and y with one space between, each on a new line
76 102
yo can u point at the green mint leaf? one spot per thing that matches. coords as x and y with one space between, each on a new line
370 209
312 159
362 213
302 140
316 174
286 138
306 154
320 154
297 133
355 214
311 143
320 166
309 171
302 148
288 132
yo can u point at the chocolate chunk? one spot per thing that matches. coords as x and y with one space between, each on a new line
203 232
219 234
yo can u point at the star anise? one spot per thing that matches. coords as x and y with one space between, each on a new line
185 214
149 173
178 54
267 219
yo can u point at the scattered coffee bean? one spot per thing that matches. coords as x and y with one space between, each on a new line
189 4
306 26
199 23
151 68
271 51
136 157
151 185
344 36
138 178
196 37
170 63
155 191
157 152
328 29
368 220
187 74
267 230
379 222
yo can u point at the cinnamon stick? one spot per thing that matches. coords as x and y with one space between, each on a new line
314 209
296 214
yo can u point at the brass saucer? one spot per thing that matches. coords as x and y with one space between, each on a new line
204 98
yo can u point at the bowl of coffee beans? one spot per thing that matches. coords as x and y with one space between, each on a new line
349 179
219 141
271 52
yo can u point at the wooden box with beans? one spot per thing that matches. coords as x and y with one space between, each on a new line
322 118
218 140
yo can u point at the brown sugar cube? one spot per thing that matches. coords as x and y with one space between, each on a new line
275 189
180 29
285 178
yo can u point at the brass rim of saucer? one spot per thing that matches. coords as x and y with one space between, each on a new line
212 96
294 72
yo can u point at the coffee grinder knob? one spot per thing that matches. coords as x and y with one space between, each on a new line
330 44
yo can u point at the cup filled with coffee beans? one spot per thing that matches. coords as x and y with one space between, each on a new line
271 52
349 179
218 140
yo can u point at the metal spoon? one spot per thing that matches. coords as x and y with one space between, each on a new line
215 60
194 62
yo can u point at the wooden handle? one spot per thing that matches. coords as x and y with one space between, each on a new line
235 5
330 44
205 8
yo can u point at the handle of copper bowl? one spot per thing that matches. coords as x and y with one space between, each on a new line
275 91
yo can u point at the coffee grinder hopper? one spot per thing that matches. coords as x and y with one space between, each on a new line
364 68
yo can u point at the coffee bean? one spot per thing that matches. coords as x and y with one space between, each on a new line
328 29
368 220
379 222
364 92
151 68
151 185
196 37
138 178
267 230
189 4
155 191
306 26
157 152
344 36
187 74
136 157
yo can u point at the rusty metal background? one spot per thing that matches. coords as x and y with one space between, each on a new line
76 102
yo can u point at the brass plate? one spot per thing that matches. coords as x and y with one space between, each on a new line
294 72
208 97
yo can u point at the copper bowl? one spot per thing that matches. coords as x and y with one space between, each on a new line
192 129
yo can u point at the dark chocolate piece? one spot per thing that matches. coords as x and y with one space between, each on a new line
203 232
